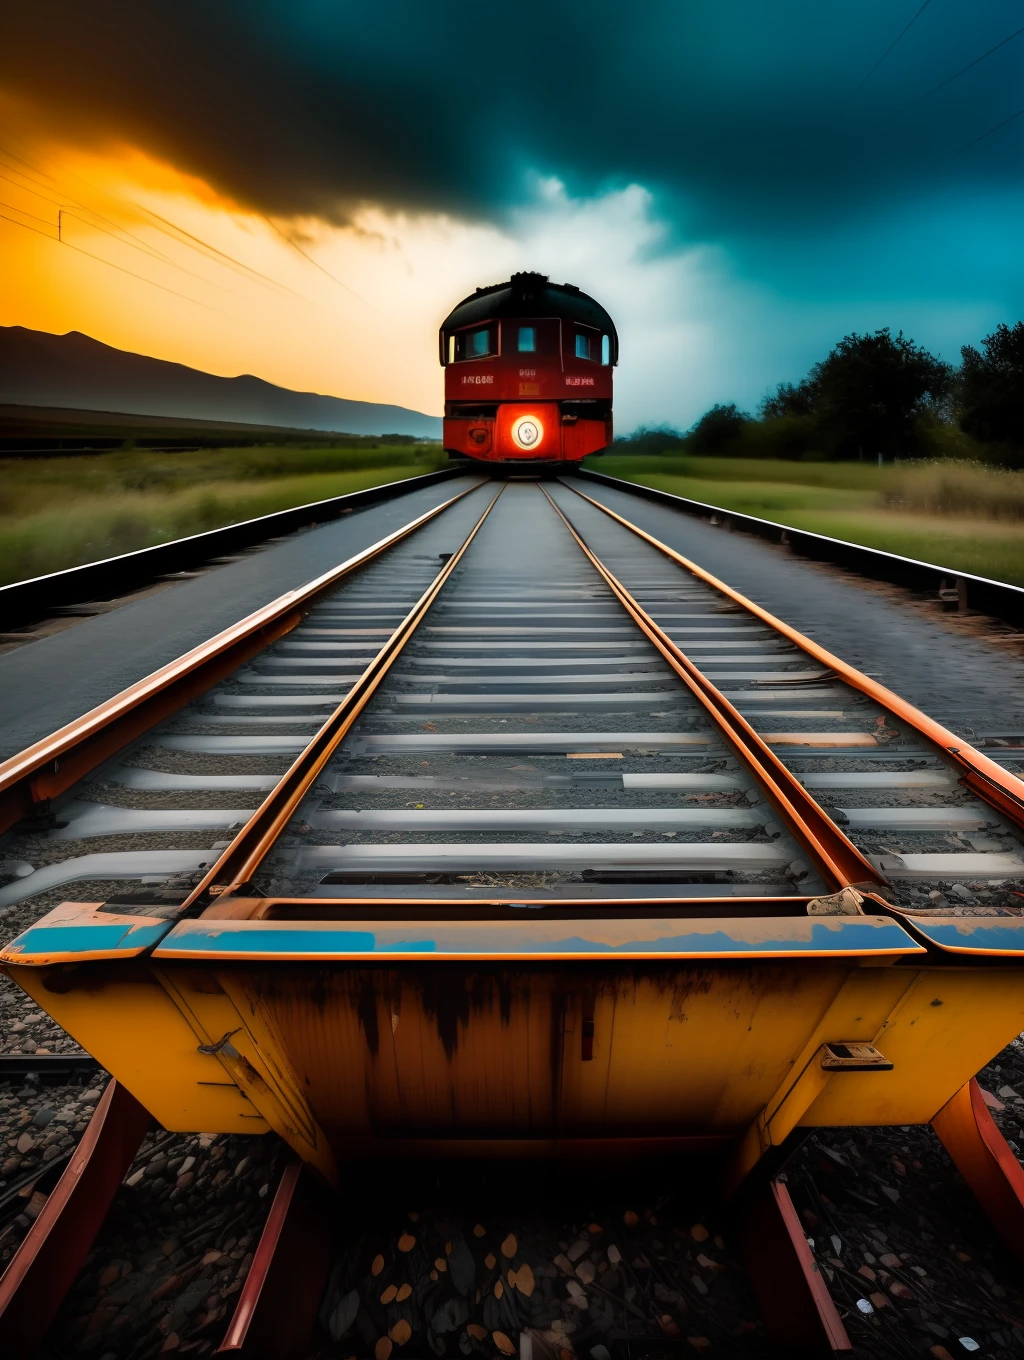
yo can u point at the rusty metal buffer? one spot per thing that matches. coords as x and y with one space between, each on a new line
356 1027
476 1030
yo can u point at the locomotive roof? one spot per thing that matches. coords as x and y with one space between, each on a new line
531 295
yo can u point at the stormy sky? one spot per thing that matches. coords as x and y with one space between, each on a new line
786 177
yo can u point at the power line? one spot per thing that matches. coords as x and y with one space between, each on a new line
315 263
25 226
67 198
133 242
45 220
168 228
109 263
956 74
905 29
968 145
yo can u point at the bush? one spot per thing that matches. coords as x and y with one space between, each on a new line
719 431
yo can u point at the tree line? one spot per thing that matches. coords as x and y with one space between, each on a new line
880 395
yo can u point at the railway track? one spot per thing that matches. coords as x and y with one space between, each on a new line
517 728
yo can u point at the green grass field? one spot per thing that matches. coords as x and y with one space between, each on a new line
60 512
957 515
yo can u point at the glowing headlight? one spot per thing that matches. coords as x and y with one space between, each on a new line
527 432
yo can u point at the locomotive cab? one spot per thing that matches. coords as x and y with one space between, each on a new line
528 373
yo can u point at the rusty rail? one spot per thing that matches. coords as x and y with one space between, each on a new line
986 1161
994 785
799 1312
50 766
254 841
44 1267
948 584
22 601
276 1311
839 861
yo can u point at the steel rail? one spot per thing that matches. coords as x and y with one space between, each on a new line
946 584
250 846
996 786
275 1316
836 857
23 601
49 1067
50 766
986 1161
42 1270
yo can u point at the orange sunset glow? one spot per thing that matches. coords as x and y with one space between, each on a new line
129 250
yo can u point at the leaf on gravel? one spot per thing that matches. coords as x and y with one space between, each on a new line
524 1280
400 1332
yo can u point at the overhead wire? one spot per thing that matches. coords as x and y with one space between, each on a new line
68 245
963 69
315 263
134 243
167 227
25 226
25 213
967 145
905 29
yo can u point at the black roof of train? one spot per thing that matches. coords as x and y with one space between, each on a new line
532 295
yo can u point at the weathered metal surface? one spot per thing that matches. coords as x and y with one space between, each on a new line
986 1162
58 1242
798 1310
275 1316
348 1036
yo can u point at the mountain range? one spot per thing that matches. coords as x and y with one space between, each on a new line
73 370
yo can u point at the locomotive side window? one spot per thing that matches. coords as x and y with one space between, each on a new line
584 345
527 340
476 344
451 349
479 343
606 349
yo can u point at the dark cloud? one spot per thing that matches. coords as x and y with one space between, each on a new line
743 116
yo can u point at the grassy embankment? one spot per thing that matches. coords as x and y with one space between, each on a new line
956 514
60 512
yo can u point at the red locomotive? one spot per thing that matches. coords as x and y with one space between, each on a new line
528 373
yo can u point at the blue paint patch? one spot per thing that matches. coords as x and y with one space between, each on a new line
216 938
974 934
855 936
111 937
839 936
